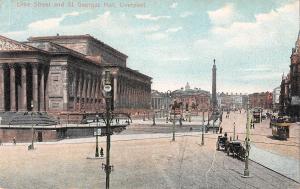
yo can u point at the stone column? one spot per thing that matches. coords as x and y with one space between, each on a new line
121 93
116 100
84 90
23 105
2 89
47 88
35 86
79 91
42 89
126 94
75 89
92 94
88 92
12 88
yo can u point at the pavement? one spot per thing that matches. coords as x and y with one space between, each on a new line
286 166
149 163
144 157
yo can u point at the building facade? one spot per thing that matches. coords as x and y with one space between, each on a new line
262 100
63 75
194 100
160 101
295 80
232 101
290 85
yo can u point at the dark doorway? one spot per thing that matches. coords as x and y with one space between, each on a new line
40 136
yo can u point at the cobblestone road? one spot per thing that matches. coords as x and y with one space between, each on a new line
149 163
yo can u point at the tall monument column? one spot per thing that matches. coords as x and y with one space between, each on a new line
214 87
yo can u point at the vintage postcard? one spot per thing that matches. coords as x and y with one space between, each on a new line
149 94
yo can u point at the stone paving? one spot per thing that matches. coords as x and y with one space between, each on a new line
143 158
149 163
284 165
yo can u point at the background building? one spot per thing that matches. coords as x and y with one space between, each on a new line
262 100
193 99
289 101
232 101
295 80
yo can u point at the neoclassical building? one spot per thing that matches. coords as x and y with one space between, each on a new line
63 75
193 99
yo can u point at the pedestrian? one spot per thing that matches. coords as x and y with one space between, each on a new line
14 141
101 152
221 129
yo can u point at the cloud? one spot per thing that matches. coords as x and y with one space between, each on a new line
173 5
51 22
186 14
162 34
104 24
148 29
173 30
259 68
150 17
274 28
222 16
157 36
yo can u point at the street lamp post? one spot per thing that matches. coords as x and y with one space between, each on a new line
97 147
107 166
32 130
173 139
202 141
246 170
169 93
233 130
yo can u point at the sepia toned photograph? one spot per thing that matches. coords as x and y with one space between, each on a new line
150 94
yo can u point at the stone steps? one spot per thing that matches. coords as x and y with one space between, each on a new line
25 118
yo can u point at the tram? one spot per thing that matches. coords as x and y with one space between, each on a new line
280 129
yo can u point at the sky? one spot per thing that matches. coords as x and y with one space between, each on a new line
175 42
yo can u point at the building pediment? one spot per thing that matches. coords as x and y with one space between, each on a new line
11 45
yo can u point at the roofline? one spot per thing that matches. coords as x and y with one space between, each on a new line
128 69
22 43
87 36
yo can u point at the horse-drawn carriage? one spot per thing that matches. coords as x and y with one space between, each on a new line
222 142
234 148
237 149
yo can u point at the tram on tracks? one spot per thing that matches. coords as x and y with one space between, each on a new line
280 128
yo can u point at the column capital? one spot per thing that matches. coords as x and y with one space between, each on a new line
22 64
11 65
2 66
64 67
34 65
41 66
